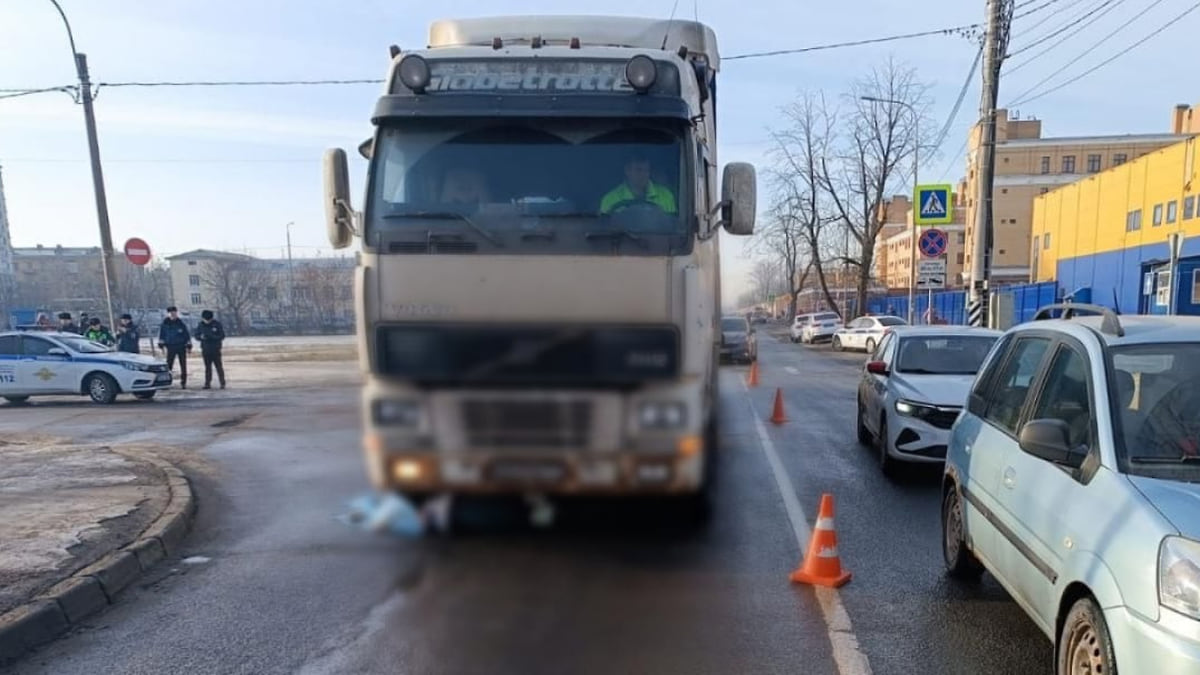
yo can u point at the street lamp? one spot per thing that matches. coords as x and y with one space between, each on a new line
912 262
89 118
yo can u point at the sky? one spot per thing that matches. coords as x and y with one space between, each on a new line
229 168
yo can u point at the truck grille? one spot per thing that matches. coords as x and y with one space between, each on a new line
527 424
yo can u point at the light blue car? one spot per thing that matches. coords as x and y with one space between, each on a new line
1073 477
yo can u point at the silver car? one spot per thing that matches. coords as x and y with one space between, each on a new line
913 388
1074 478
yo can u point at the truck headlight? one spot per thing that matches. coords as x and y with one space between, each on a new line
1179 575
396 413
662 414
914 409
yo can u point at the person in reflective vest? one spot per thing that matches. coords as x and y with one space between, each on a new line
638 188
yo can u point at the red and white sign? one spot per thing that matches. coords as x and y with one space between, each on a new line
137 251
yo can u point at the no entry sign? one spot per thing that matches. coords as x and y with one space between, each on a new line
137 251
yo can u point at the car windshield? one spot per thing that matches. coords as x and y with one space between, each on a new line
890 321
1156 394
943 355
562 186
85 346
733 325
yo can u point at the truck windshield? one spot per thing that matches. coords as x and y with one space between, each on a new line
538 186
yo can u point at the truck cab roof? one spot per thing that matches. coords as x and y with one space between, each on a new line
591 31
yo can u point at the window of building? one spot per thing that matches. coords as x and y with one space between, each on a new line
1148 284
1045 164
960 259
1046 241
1162 293
962 237
1195 287
1172 211
1003 191
1133 220
1068 164
1157 218
1045 190
255 315
191 263
194 280
73 268
196 300
1119 159
272 293
1189 208
1001 251
1093 163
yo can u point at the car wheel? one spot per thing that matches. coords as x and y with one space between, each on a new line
16 400
1085 645
870 345
144 395
960 562
102 388
887 464
836 344
864 434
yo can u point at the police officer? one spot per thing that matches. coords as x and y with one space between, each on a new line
637 187
128 336
211 335
173 336
98 333
66 324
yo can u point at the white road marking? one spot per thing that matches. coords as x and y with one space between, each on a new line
847 656
792 369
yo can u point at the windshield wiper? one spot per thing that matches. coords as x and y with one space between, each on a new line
450 215
617 235
1182 459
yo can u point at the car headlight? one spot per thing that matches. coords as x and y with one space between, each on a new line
914 409
662 414
396 413
1179 575
136 366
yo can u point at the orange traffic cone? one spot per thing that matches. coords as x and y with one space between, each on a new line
822 566
778 416
753 379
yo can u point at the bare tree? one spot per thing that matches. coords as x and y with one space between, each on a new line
766 279
324 282
798 152
878 140
235 284
142 287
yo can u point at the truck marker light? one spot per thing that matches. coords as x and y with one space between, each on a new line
414 73
641 73
689 446
408 470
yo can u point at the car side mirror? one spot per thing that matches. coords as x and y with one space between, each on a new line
339 213
1050 439
877 368
56 351
739 201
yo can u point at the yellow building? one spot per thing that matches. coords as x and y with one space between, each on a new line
1028 166
1108 233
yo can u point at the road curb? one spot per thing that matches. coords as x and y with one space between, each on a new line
91 589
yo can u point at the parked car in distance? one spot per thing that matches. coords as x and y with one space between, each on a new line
739 341
1073 477
798 324
865 332
57 364
820 327
913 388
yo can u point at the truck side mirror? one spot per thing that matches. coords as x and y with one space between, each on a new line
739 201
339 214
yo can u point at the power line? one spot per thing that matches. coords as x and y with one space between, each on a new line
1097 44
1112 58
1089 50
1103 8
962 31
1051 15
962 94
241 83
15 93
1035 10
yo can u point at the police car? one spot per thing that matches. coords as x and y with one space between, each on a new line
56 364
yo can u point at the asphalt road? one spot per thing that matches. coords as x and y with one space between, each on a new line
275 584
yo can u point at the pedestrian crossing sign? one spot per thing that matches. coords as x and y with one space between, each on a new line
933 204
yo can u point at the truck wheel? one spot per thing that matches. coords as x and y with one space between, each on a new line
101 388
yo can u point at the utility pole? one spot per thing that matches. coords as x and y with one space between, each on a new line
995 44
89 118
291 278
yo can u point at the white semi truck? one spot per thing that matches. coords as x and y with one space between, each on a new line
538 281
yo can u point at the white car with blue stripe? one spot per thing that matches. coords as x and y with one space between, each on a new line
35 363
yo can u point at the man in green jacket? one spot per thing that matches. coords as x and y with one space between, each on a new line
98 333
637 187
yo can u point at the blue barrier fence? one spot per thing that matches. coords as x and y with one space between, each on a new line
951 305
